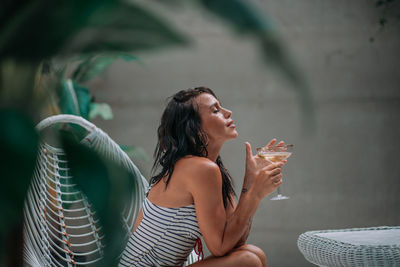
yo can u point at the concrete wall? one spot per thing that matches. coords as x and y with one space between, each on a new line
343 174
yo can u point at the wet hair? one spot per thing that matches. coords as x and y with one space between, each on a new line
180 134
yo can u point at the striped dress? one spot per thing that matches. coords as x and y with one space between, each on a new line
165 237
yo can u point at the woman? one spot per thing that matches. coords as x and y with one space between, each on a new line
193 195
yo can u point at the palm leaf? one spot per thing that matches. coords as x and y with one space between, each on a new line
95 65
125 27
38 29
18 146
100 109
108 186
74 99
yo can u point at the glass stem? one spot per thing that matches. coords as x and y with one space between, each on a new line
278 191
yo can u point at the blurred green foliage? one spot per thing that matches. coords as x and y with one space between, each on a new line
100 109
34 30
18 153
39 42
135 152
107 185
94 65
74 99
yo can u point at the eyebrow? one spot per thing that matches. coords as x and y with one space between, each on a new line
215 104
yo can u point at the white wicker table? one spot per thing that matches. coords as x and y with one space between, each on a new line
377 246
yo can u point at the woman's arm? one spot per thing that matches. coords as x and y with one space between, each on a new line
221 232
246 185
243 239
229 212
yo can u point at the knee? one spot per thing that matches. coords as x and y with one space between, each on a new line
256 250
247 258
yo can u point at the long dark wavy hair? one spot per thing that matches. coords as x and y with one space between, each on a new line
180 134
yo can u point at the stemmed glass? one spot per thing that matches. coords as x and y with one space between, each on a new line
276 154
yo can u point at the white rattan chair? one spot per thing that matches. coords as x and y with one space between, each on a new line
377 246
60 226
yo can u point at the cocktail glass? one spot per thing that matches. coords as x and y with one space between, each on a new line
276 154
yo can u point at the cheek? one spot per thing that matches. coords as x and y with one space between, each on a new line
218 128
213 126
208 127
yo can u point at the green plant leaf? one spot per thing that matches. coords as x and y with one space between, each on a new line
74 99
128 57
95 65
135 152
100 109
125 27
88 171
18 146
108 187
36 30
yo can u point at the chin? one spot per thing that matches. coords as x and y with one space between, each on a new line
234 135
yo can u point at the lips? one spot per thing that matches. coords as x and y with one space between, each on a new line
230 124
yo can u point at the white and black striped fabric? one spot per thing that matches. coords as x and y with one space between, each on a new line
165 237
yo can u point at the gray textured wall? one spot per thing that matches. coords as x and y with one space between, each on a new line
346 172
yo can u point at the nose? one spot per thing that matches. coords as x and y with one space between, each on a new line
228 113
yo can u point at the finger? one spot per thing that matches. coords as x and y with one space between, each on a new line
281 143
273 166
283 162
273 172
271 143
248 151
277 177
271 175
270 167
276 171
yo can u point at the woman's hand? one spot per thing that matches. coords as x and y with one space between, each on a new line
261 175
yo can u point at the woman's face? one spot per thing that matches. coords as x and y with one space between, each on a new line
216 121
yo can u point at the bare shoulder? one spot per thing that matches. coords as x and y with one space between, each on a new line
199 169
194 165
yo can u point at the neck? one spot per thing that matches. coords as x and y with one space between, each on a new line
213 151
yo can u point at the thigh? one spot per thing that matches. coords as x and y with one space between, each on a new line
236 258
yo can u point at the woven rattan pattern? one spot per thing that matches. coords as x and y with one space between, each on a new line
324 251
